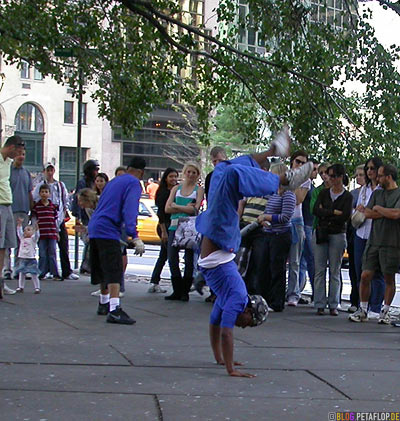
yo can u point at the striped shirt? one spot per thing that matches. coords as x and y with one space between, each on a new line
281 208
255 206
46 216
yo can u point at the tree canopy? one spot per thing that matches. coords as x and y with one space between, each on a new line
136 52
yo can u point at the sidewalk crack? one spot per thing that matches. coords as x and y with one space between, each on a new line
122 355
158 407
329 384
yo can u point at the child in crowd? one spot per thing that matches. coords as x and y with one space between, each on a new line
27 256
45 213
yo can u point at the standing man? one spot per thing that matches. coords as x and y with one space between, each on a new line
59 197
382 252
21 187
293 295
151 188
307 256
118 205
12 148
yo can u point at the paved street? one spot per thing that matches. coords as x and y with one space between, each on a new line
60 361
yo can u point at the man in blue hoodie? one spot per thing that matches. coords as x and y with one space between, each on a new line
118 205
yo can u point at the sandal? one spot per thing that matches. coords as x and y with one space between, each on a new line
37 291
20 290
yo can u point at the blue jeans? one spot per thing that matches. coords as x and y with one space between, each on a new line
298 237
47 256
378 282
307 260
181 286
331 252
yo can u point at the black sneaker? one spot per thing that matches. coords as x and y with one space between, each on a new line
119 316
103 309
303 301
172 297
7 275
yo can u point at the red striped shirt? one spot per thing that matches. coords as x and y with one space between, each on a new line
46 217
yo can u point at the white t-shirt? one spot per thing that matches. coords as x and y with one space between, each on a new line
216 258
27 246
298 213
363 198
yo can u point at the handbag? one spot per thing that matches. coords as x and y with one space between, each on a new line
321 235
186 235
358 218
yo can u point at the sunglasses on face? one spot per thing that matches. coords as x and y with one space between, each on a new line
322 173
370 168
299 161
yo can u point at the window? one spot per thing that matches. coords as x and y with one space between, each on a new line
68 165
84 113
25 70
68 112
36 74
29 118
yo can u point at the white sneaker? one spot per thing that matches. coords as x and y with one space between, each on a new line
156 288
121 294
292 302
72 276
95 293
352 309
49 276
281 143
384 318
8 291
372 315
298 176
359 316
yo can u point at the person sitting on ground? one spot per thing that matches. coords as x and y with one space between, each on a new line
277 243
219 226
46 215
28 238
168 181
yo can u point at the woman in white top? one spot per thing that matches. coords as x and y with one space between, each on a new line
363 232
184 200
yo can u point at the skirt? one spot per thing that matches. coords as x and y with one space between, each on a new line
27 266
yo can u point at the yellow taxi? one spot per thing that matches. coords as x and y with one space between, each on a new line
146 222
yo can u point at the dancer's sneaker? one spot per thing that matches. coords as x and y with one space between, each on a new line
384 318
281 143
296 177
120 317
359 316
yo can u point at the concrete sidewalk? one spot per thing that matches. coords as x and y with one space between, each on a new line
60 361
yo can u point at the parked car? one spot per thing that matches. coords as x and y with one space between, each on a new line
146 223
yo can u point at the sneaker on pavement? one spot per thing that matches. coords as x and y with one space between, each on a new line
303 301
19 290
57 278
7 275
156 288
120 317
384 318
298 176
359 316
72 276
352 309
281 143
37 291
292 302
103 309
95 293
372 315
8 291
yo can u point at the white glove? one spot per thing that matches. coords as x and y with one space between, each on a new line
139 246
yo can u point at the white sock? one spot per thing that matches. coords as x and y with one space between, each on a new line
114 302
104 298
364 305
36 282
385 308
21 280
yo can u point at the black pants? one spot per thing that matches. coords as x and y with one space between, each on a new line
354 295
158 267
255 242
64 256
273 269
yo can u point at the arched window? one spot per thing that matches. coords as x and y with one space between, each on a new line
29 125
29 119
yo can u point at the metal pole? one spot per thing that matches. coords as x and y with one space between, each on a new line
78 153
